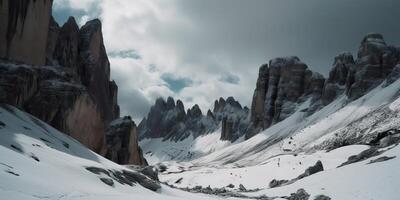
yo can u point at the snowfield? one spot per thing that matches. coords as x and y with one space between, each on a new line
287 149
39 162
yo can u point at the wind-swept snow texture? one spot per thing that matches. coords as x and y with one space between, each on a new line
39 162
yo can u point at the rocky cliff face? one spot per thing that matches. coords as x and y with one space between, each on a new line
73 92
122 142
281 85
285 82
168 120
24 28
375 61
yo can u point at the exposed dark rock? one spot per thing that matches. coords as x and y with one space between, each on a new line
107 181
17 84
179 180
277 183
52 38
389 140
381 159
168 120
233 118
301 194
77 98
230 186
17 148
242 188
126 177
122 142
150 171
95 70
393 76
371 152
322 197
318 167
66 51
336 83
374 63
11 172
24 30
279 87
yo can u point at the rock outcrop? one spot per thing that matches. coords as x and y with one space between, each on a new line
122 142
73 92
285 82
375 61
24 28
281 85
335 85
168 120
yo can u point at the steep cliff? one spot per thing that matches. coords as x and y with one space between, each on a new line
285 82
24 28
73 92
281 85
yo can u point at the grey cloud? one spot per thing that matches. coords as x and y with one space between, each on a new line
239 36
230 78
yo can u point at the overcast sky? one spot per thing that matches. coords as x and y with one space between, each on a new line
199 50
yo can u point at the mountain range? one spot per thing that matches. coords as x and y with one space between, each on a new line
304 136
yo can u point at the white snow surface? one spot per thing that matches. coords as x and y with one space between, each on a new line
296 143
59 173
283 151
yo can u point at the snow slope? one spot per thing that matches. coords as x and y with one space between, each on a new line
38 162
297 143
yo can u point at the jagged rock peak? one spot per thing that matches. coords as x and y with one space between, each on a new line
170 103
195 111
375 61
338 77
285 61
220 104
180 106
344 58
66 51
279 87
373 38
231 101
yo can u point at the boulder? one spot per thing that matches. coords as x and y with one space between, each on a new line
301 194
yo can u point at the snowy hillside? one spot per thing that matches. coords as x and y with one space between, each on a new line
38 162
362 135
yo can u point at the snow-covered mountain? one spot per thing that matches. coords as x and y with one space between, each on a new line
304 137
350 124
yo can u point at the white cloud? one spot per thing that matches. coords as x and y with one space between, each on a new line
75 4
219 45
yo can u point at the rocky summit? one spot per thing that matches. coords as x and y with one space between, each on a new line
282 85
170 121
287 81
